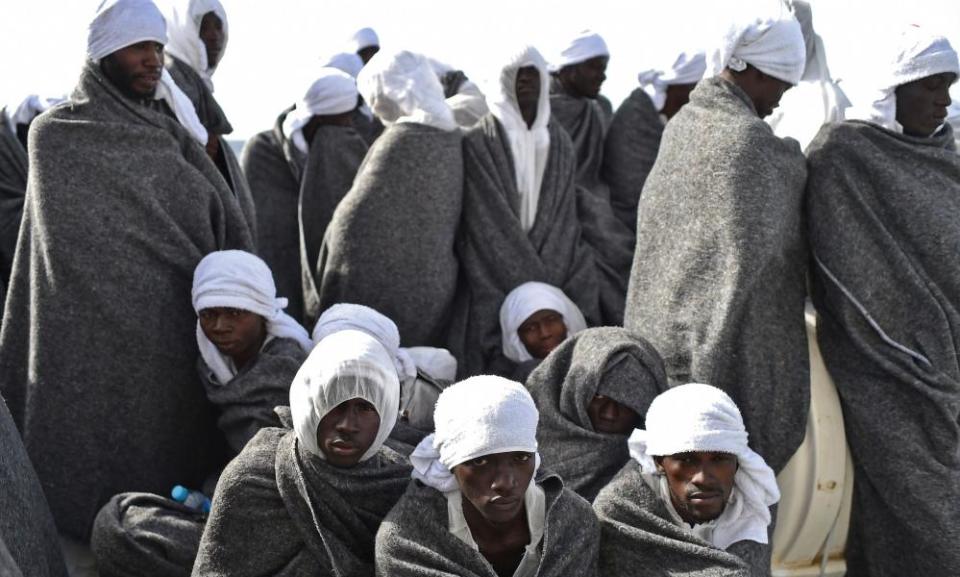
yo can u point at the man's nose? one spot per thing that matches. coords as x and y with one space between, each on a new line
504 479
609 411
347 422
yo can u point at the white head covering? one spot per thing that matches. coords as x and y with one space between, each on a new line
333 92
528 146
24 111
122 23
527 299
183 27
402 87
698 417
348 62
688 68
916 54
773 46
363 38
480 416
240 280
346 365
584 46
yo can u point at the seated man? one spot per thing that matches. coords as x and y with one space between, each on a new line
592 392
694 499
308 501
478 505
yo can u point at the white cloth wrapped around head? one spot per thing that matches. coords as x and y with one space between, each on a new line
402 87
698 417
346 365
24 111
582 47
348 62
688 68
482 415
364 38
773 46
333 92
183 27
240 280
527 299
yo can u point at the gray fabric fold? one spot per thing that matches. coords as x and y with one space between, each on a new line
13 186
718 280
369 127
639 538
390 244
99 340
563 386
884 213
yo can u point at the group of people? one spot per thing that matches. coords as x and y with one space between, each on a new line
426 327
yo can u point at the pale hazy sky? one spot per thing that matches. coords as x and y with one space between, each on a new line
276 44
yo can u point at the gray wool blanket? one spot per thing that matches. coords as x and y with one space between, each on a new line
718 281
565 383
390 244
638 537
26 526
884 213
629 152
336 154
496 255
369 128
245 404
13 185
99 335
281 511
415 539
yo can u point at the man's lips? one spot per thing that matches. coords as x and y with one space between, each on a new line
499 502
341 447
704 497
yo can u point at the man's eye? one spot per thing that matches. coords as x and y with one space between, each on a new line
522 457
478 462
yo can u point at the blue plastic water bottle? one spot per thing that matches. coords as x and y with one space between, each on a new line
192 499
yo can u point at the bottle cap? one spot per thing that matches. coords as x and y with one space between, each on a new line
180 493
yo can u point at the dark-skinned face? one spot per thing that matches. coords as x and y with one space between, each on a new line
610 417
135 70
678 95
542 332
922 104
236 333
211 33
528 93
584 80
770 91
495 485
700 483
367 53
347 431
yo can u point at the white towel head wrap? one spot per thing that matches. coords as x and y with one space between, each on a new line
402 87
24 111
346 365
773 46
688 68
527 299
584 46
480 416
348 62
333 92
697 417
183 27
240 280
364 38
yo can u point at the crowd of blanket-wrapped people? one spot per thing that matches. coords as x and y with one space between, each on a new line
422 327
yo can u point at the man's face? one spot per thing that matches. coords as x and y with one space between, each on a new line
135 70
528 93
922 104
495 484
768 94
237 333
584 80
367 53
678 95
610 417
700 483
347 431
211 33
542 332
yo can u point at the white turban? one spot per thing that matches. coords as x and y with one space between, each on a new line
688 68
122 23
344 316
24 111
240 280
402 87
346 365
183 27
698 417
584 46
333 92
527 299
348 62
480 416
772 46
364 38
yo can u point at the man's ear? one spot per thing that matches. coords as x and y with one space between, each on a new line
659 463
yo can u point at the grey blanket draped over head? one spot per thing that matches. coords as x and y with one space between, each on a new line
281 511
638 537
563 386
390 245
13 185
629 153
718 280
99 337
884 213
415 539
496 255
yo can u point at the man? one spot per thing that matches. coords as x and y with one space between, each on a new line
365 44
98 346
694 499
364 122
718 280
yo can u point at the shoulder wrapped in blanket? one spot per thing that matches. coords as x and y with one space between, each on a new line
13 186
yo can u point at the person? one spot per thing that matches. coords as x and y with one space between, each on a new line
365 43
887 181
633 140
718 281
396 226
462 95
479 504
519 220
250 349
592 391
694 498
122 204
363 120
298 172
308 501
